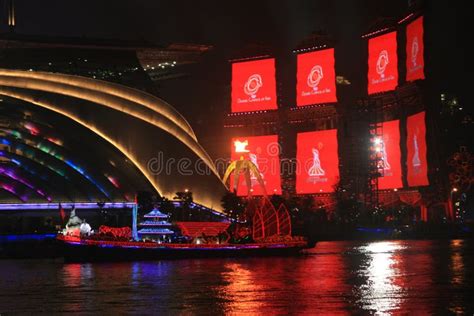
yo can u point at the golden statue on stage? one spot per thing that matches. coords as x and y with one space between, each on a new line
244 165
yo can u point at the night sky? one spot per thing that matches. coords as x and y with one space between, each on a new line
229 26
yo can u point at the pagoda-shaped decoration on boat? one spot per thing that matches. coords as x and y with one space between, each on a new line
156 226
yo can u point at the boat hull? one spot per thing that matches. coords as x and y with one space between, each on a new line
84 251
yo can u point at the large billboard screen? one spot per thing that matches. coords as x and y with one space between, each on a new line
316 78
383 63
264 152
388 147
253 85
317 162
415 49
417 165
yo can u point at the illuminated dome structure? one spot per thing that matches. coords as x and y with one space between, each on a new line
46 158
67 137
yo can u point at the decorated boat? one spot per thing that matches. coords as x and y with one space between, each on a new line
158 238
263 231
78 249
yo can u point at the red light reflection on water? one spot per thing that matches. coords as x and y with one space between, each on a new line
75 277
72 274
383 290
457 263
308 284
245 292
389 277
457 273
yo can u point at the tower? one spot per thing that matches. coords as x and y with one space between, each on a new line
11 14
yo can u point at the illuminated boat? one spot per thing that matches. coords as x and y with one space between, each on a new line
270 235
77 249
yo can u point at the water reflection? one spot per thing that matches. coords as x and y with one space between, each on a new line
76 274
383 290
322 282
76 277
242 291
315 283
457 273
401 277
457 263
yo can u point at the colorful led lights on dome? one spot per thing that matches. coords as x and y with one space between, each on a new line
12 175
53 152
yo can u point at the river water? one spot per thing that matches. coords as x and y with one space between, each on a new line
382 277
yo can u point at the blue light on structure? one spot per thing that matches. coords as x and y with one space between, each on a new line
16 162
68 162
31 156
376 230
134 222
26 237
7 172
78 169
65 205
5 142
45 147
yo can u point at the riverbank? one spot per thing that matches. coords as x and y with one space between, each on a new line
45 246
415 231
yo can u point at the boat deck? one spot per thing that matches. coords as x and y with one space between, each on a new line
153 245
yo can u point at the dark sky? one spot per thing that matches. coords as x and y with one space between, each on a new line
201 21
230 25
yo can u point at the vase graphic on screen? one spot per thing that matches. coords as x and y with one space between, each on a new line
414 50
416 158
316 170
254 82
382 63
314 77
381 150
254 159
386 164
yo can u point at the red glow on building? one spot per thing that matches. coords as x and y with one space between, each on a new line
264 152
383 63
316 78
417 165
114 181
390 153
415 49
254 86
32 129
318 162
55 141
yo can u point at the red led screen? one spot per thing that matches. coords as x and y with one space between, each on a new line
317 162
417 165
264 152
316 78
388 147
415 47
253 85
383 71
